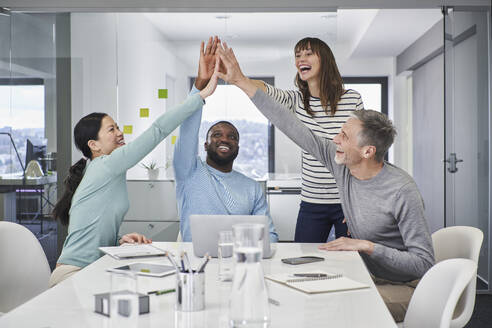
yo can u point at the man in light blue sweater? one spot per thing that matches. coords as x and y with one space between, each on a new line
213 187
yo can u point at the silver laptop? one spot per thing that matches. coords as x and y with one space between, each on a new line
205 231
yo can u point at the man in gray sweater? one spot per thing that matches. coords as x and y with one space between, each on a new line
382 205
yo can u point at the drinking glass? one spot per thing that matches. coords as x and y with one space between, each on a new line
225 247
249 299
123 308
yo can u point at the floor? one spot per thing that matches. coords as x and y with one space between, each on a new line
482 314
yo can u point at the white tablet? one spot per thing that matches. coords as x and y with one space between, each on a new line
146 269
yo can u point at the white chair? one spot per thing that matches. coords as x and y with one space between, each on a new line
24 270
459 242
435 298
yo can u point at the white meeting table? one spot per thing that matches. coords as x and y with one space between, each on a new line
71 303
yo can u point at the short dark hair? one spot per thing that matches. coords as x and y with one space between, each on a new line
377 131
221 122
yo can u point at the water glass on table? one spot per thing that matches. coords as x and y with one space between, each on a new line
225 244
124 306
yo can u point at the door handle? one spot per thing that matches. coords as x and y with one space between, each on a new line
452 160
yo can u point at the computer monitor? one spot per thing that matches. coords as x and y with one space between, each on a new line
35 152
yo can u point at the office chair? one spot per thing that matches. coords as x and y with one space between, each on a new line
24 269
434 300
459 242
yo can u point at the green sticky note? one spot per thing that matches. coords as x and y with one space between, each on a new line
162 93
127 129
173 140
144 112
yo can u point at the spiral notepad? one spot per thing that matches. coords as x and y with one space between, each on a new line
313 285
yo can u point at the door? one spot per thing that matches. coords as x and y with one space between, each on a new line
467 122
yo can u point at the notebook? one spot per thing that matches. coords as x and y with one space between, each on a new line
127 251
314 285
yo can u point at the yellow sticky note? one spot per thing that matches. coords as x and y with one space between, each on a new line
144 112
162 93
173 140
127 129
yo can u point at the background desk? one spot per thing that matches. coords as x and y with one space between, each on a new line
71 303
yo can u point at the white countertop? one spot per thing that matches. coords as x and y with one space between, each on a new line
71 303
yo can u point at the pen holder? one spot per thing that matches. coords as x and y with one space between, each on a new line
190 291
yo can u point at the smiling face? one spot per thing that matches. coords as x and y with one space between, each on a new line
308 64
109 138
348 150
222 145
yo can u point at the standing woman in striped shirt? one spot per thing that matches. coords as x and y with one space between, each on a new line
323 105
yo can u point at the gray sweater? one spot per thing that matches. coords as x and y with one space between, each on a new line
386 209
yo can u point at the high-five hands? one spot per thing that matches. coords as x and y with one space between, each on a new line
231 72
206 64
212 84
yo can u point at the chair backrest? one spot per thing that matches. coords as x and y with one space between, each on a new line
435 298
459 242
24 270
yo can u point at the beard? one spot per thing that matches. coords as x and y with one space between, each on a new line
219 160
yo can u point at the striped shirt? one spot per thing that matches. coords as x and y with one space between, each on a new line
318 184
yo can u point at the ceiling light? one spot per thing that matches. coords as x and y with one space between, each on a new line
329 16
223 17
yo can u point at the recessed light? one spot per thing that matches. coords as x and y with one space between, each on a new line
328 16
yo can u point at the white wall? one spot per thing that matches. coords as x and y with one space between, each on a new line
119 63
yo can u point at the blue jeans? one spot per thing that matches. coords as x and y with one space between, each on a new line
314 222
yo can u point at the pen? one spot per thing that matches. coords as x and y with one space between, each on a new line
311 275
202 267
170 257
183 268
161 292
187 262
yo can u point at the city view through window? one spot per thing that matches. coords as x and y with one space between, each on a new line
21 115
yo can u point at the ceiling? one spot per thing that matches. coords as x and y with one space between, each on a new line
363 32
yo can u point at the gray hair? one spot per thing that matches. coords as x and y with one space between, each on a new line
377 130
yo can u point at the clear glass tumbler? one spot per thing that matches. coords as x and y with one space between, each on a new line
123 308
225 247
248 305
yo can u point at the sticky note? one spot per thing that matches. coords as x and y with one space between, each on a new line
144 112
162 93
173 140
127 129
145 270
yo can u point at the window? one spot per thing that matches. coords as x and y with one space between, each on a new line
229 103
22 115
374 91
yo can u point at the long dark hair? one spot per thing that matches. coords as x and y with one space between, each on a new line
86 129
331 83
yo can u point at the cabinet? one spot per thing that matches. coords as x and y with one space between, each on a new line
153 211
284 197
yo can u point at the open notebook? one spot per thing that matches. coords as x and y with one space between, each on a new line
330 283
127 251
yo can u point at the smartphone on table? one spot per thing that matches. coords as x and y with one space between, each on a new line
302 260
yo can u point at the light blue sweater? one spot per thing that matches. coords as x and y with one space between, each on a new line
201 189
101 199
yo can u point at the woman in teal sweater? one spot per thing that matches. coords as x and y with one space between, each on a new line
96 198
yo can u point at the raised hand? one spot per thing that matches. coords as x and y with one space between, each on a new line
212 83
231 72
207 61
